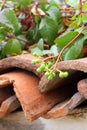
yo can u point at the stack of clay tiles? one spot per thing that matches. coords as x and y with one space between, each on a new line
22 87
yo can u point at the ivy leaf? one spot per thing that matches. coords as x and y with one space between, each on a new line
73 3
9 18
48 29
33 35
54 50
54 13
22 37
75 50
37 50
65 39
12 47
46 52
41 44
84 8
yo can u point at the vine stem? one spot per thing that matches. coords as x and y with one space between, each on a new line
59 55
50 57
80 6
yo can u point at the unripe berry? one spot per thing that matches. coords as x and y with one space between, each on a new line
43 67
66 74
35 61
49 64
53 74
61 74
47 73
39 70
50 77
35 54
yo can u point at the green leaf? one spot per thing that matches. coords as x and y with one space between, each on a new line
25 3
9 18
75 50
72 25
54 50
48 29
73 17
73 3
65 39
41 44
4 30
33 35
85 40
84 8
85 32
84 18
53 1
12 47
37 50
54 13
22 37
45 52
79 20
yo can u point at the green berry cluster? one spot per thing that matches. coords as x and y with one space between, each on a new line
63 74
41 68
46 67
50 75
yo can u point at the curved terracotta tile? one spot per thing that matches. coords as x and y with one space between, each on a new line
21 61
72 66
33 102
8 106
4 82
65 107
82 87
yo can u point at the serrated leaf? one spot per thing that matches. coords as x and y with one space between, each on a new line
73 3
9 18
12 47
54 13
48 29
65 39
75 50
